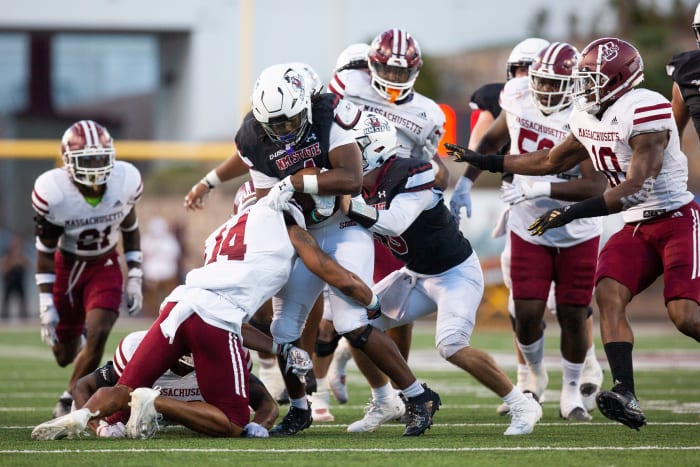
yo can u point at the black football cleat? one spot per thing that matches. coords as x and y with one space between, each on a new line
420 411
621 405
292 423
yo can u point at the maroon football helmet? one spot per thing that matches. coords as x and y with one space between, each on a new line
608 68
550 77
394 62
88 152
245 197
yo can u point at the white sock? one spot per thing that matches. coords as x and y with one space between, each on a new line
591 351
300 403
384 393
533 354
514 397
571 377
413 390
523 373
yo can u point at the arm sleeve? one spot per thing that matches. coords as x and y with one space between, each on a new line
403 211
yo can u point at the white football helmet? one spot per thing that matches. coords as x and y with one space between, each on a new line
282 104
523 54
352 57
88 153
376 137
313 81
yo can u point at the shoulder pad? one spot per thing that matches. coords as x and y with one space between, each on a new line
346 114
47 192
133 185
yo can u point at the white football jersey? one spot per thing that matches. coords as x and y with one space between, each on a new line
415 120
607 142
530 130
88 230
247 260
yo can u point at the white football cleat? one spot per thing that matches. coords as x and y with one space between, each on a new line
320 407
376 414
591 382
70 425
143 422
524 417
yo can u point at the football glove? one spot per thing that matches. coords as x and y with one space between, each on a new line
549 220
254 430
461 197
48 316
514 193
280 194
298 360
325 204
134 291
105 430
430 146
492 163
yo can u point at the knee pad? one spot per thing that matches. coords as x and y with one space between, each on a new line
357 338
324 349
451 345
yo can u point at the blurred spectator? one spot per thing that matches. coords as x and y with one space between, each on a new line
14 264
161 255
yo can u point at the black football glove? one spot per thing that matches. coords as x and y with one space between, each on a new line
492 163
550 220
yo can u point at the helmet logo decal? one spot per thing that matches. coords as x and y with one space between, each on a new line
608 51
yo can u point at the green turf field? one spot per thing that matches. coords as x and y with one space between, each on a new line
466 431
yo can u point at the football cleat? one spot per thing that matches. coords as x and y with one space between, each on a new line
320 403
70 425
621 405
377 414
524 416
143 422
420 411
295 421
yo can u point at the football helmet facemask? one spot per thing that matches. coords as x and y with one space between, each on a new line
282 104
696 25
88 153
607 69
376 137
523 54
394 62
550 77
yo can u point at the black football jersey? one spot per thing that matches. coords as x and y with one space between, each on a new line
486 98
273 160
684 69
433 243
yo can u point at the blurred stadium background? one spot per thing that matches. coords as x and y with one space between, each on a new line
171 80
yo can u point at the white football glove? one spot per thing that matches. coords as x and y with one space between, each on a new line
514 193
298 360
461 197
280 194
49 319
105 430
254 430
134 291
430 145
325 204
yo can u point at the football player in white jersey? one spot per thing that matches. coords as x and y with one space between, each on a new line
630 135
81 208
247 260
401 205
384 84
535 115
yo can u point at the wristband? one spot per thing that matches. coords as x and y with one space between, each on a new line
135 256
374 303
45 278
317 217
591 207
211 179
363 214
310 184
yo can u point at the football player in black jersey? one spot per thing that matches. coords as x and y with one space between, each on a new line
402 207
684 70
